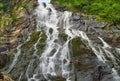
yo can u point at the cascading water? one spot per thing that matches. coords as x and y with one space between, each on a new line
51 63
54 60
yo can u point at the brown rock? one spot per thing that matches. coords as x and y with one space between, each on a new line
5 77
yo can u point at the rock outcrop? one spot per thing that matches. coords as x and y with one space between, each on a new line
16 22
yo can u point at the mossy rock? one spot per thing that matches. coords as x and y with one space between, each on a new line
42 43
55 78
51 30
77 47
63 37
10 57
33 39
3 60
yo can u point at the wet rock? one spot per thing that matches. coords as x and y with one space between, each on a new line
83 63
78 48
55 78
62 37
84 76
76 16
78 22
101 70
35 3
118 27
108 78
3 48
59 8
98 72
3 60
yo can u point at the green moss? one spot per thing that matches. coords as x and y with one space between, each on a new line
10 57
1 5
33 40
34 37
1 42
61 79
105 10
42 43
43 38
44 4
78 47
24 5
51 30
63 37
75 43
14 17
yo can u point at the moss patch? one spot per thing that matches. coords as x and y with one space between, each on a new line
42 43
78 47
63 37
33 40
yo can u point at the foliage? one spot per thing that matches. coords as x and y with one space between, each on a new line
1 5
105 10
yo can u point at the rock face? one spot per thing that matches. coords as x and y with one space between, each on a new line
3 60
87 66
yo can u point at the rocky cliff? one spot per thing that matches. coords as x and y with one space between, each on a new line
18 22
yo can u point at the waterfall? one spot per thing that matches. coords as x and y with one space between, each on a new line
51 63
54 60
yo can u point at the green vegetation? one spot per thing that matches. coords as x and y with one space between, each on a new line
1 5
75 43
33 40
105 10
